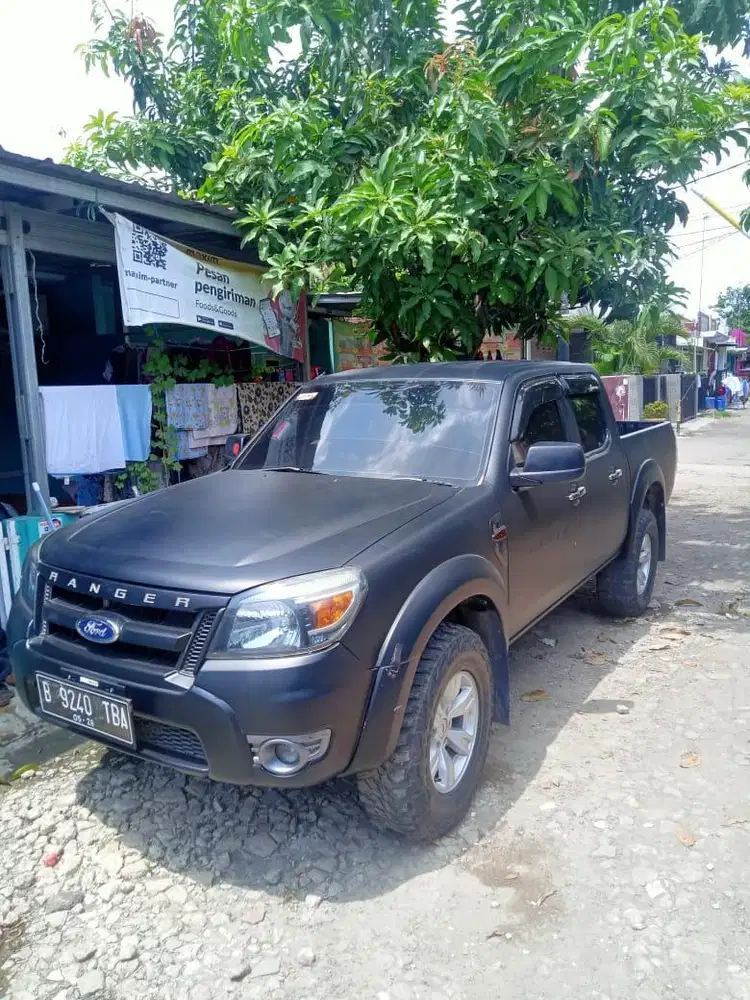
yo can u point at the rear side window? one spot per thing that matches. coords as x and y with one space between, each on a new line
592 425
544 424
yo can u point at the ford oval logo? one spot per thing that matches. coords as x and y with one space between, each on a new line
96 628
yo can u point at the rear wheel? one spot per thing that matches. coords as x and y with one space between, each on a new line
426 786
624 588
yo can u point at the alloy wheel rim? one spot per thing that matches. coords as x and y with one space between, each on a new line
453 737
644 564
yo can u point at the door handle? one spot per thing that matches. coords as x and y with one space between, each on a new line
577 495
615 476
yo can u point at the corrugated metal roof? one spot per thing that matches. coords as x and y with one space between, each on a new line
62 171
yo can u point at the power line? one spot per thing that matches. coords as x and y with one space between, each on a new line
705 177
709 243
739 204
697 227
696 243
719 223
692 236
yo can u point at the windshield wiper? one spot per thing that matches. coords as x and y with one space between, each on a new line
421 479
295 468
362 475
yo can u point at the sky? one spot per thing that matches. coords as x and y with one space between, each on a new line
48 98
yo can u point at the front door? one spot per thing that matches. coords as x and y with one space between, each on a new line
542 523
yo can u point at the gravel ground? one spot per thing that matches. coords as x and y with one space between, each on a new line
606 856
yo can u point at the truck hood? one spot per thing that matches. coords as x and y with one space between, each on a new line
234 530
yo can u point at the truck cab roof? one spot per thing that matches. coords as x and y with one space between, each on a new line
465 371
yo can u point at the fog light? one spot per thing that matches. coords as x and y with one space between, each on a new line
282 757
287 755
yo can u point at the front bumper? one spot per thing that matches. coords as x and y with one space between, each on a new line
200 724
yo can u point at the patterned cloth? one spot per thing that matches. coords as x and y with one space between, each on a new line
185 450
187 410
222 417
187 406
260 400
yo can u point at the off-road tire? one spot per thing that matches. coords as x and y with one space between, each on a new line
400 794
617 587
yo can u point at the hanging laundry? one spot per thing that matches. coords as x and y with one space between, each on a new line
134 403
222 417
187 410
187 406
83 430
258 401
185 449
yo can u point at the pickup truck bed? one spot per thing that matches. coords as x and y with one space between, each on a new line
645 440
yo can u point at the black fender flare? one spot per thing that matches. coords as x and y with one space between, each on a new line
437 594
648 474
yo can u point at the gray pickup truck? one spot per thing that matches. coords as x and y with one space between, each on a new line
342 599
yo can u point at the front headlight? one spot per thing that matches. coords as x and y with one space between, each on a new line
30 572
291 616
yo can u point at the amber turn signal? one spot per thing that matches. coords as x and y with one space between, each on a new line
329 610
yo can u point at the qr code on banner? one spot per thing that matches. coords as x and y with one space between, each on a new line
148 248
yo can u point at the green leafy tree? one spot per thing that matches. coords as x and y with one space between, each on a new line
724 24
462 188
733 305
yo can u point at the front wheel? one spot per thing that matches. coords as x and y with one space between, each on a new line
426 786
624 588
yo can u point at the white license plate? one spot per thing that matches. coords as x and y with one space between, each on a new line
104 714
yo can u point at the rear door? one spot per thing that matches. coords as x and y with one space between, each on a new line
605 508
542 523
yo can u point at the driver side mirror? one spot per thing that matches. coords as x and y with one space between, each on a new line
549 462
235 444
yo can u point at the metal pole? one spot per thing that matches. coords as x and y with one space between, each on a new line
23 356
700 299
331 345
15 365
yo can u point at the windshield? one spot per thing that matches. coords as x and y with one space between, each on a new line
432 430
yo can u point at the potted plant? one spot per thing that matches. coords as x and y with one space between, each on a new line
656 412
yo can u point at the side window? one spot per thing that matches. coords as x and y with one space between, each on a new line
544 424
592 425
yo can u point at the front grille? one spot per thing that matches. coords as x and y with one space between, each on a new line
156 630
171 740
117 651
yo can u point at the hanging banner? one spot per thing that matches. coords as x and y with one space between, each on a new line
165 282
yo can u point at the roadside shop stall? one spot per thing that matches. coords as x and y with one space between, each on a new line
135 335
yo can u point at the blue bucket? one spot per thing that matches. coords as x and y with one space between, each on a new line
721 402
710 402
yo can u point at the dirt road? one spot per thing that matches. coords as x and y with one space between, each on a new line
608 854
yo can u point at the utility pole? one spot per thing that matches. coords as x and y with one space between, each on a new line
700 299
